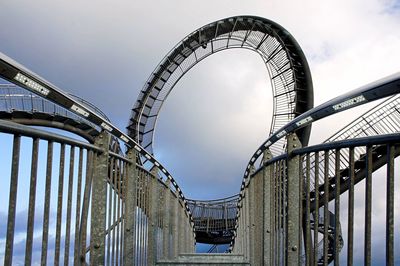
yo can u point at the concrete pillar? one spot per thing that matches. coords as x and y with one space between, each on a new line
258 218
130 207
181 227
187 226
294 203
152 222
167 221
99 201
247 223
267 214
174 225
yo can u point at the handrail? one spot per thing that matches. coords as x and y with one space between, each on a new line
373 91
18 74
348 143
14 128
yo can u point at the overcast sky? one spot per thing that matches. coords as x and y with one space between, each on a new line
220 112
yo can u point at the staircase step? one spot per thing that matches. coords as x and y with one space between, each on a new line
205 259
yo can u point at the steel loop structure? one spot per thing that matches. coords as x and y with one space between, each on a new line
288 69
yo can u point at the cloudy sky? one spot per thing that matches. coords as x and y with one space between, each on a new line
220 111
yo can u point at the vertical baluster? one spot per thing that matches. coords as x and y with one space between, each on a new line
368 206
316 209
109 222
12 203
390 206
78 206
350 222
279 213
32 200
46 209
337 206
119 198
307 234
59 205
114 209
69 203
326 206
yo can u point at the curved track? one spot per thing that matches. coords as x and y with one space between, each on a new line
15 73
386 111
288 69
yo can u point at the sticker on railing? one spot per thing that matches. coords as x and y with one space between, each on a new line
349 102
125 139
304 121
79 110
106 126
31 84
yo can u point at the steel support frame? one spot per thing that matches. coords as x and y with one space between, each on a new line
99 201
294 200
130 209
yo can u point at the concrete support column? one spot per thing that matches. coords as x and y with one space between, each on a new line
294 203
130 209
174 225
246 224
187 226
167 221
99 201
238 240
258 218
181 227
241 229
252 213
152 222
267 214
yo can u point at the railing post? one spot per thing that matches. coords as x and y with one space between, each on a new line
167 221
181 227
294 190
99 201
267 202
130 209
174 224
252 218
152 229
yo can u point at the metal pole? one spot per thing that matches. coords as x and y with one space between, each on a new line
174 225
152 223
167 221
293 203
99 201
130 207
267 228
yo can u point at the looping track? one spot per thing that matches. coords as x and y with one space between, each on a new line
288 69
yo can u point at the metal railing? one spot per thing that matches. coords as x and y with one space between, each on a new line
214 220
299 226
99 207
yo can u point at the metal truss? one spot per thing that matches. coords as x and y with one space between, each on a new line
214 220
288 69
